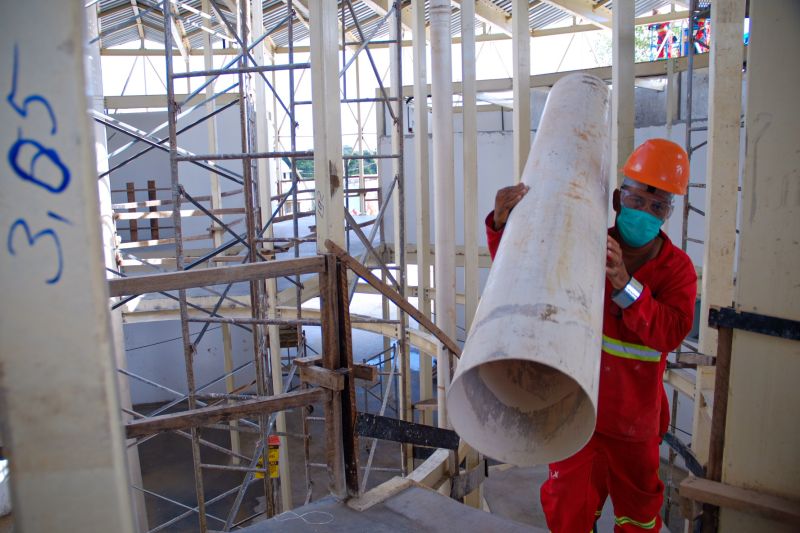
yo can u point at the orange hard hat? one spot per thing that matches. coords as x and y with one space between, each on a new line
660 163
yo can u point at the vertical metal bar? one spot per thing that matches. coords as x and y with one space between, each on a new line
295 177
406 412
423 195
257 288
188 347
688 141
521 39
444 224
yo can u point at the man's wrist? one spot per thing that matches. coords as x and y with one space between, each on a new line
627 295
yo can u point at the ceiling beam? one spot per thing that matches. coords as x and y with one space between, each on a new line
139 26
489 13
179 32
381 7
589 10
645 68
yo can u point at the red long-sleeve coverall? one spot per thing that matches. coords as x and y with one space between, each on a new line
622 459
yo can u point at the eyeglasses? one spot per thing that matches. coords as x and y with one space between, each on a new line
635 200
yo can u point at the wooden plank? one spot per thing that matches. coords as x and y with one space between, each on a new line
364 273
720 412
330 360
748 501
213 276
153 214
311 360
365 372
151 196
322 377
133 225
380 494
433 470
210 415
349 410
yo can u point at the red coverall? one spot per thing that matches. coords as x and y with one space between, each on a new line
622 458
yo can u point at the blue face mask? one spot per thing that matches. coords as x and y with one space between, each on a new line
637 228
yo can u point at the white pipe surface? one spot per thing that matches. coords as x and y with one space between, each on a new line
443 191
525 391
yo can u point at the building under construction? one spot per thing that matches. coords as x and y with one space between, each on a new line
248 283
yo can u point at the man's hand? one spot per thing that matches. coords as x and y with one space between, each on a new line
616 272
504 202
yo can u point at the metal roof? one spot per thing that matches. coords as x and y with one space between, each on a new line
123 22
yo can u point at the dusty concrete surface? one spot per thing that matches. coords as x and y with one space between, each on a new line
514 494
410 511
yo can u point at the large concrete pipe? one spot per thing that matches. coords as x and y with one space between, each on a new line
525 391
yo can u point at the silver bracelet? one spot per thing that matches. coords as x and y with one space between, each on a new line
625 296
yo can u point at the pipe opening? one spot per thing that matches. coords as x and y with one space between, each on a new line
521 412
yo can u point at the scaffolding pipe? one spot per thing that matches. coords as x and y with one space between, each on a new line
525 391
443 187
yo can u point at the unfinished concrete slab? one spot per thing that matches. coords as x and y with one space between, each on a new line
411 510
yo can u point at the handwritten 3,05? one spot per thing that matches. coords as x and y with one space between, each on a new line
35 163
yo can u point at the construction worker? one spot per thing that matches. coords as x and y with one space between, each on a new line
648 310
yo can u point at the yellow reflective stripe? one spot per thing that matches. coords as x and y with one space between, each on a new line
622 520
628 350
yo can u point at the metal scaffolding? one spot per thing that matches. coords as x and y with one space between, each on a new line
257 310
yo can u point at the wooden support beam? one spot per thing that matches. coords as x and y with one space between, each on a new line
322 377
589 10
364 273
431 472
365 372
761 436
739 499
721 194
331 360
423 260
622 81
133 224
381 7
490 13
349 410
327 123
521 118
221 413
171 281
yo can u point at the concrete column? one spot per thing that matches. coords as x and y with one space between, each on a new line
622 82
327 120
60 408
94 87
521 43
761 437
423 196
722 182
443 187
470 136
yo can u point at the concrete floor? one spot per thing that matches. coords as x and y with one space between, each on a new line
167 469
514 494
